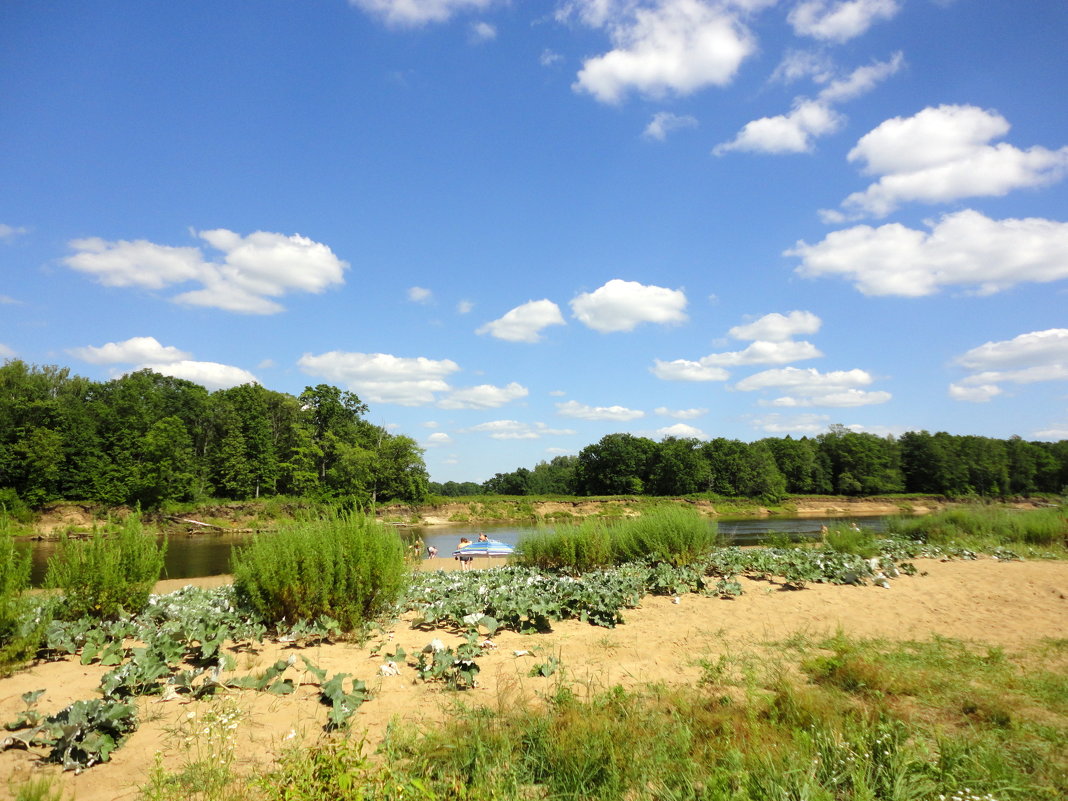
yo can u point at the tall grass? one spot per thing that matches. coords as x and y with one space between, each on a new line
109 574
985 526
665 534
348 567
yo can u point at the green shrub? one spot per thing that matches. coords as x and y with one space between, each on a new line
20 629
664 535
668 534
576 548
845 539
108 574
349 568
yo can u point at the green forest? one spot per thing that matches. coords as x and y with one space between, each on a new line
147 439
840 461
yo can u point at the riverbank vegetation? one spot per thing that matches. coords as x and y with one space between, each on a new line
822 719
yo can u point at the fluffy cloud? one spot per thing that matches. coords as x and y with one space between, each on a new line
680 414
464 307
513 429
136 350
1025 359
8 232
581 411
810 387
680 431
147 352
411 13
6 352
418 294
963 249
943 154
381 377
623 305
798 424
661 47
686 370
524 323
772 345
438 438
483 32
794 132
254 268
777 327
484 396
839 21
211 375
761 352
664 122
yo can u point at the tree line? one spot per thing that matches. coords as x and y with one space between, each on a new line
839 461
147 438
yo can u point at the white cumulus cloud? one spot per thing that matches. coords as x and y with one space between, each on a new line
761 352
810 387
942 154
687 370
965 249
581 411
681 414
623 305
382 377
484 396
1025 359
253 270
9 232
798 424
438 438
147 352
809 118
514 429
524 323
680 431
661 47
664 122
418 294
777 327
839 21
412 13
136 350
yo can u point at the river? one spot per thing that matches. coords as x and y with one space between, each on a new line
209 554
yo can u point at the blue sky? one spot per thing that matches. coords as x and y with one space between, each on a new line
514 226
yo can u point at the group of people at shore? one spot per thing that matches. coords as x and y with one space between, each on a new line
465 559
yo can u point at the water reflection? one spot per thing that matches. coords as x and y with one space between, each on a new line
209 554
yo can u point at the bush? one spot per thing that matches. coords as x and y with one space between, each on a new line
665 535
349 568
108 574
673 535
20 629
845 539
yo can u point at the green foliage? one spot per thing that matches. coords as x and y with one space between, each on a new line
108 574
664 534
21 624
846 539
348 567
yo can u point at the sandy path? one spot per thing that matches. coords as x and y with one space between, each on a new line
1006 604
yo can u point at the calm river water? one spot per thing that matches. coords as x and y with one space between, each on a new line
209 554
